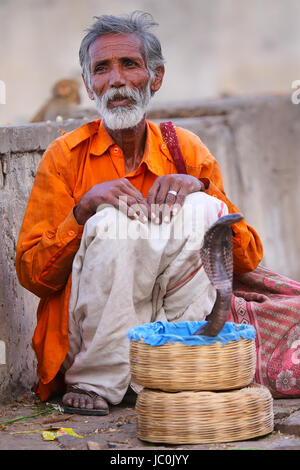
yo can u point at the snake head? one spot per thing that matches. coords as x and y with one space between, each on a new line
216 251
216 256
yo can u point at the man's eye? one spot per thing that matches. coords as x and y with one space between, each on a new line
99 68
130 63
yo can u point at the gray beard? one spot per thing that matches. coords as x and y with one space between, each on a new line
123 117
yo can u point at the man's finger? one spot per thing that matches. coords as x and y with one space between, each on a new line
158 197
138 211
180 198
167 198
153 191
127 188
133 208
166 213
170 201
162 192
153 208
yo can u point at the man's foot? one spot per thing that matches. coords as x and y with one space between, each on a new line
84 403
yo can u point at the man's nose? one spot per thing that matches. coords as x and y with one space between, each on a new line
116 78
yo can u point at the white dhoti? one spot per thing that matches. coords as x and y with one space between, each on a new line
126 273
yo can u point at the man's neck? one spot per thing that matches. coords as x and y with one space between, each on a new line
132 142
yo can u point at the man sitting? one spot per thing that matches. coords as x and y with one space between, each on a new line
98 242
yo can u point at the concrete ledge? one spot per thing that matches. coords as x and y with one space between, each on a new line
213 107
34 137
37 136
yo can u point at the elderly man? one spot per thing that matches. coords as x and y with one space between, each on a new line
97 243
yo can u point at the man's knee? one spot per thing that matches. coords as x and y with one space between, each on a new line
201 198
112 223
204 208
102 224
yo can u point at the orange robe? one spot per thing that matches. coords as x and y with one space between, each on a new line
50 236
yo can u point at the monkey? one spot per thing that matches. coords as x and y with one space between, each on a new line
64 102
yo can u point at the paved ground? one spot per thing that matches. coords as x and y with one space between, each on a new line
117 431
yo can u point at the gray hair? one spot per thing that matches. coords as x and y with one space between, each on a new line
138 23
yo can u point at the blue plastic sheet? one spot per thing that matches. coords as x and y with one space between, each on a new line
159 333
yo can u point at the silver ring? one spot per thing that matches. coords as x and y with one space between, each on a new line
172 192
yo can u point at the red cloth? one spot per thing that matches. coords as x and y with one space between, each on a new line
271 303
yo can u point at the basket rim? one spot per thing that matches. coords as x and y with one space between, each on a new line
160 333
253 389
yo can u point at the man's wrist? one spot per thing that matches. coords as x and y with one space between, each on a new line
205 182
202 186
81 215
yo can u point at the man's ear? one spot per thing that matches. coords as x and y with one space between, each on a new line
158 79
89 91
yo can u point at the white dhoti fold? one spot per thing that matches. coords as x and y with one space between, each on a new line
126 273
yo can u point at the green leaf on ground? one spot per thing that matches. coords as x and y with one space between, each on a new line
21 418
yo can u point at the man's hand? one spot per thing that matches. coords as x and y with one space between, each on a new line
119 193
163 203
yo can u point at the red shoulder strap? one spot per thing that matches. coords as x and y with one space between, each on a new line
170 138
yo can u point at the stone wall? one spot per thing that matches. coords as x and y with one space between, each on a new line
256 142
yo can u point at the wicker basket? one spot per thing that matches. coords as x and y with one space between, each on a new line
179 367
204 417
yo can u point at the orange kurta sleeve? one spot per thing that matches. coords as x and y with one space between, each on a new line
49 236
247 246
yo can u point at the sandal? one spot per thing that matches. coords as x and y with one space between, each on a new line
85 411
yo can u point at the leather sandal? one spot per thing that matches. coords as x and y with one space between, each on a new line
85 411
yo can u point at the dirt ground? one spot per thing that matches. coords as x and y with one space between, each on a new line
23 422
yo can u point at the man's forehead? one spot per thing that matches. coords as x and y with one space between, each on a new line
116 45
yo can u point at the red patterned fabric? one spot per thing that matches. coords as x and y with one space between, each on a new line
271 303
170 137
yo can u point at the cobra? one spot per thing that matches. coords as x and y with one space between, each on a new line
216 255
